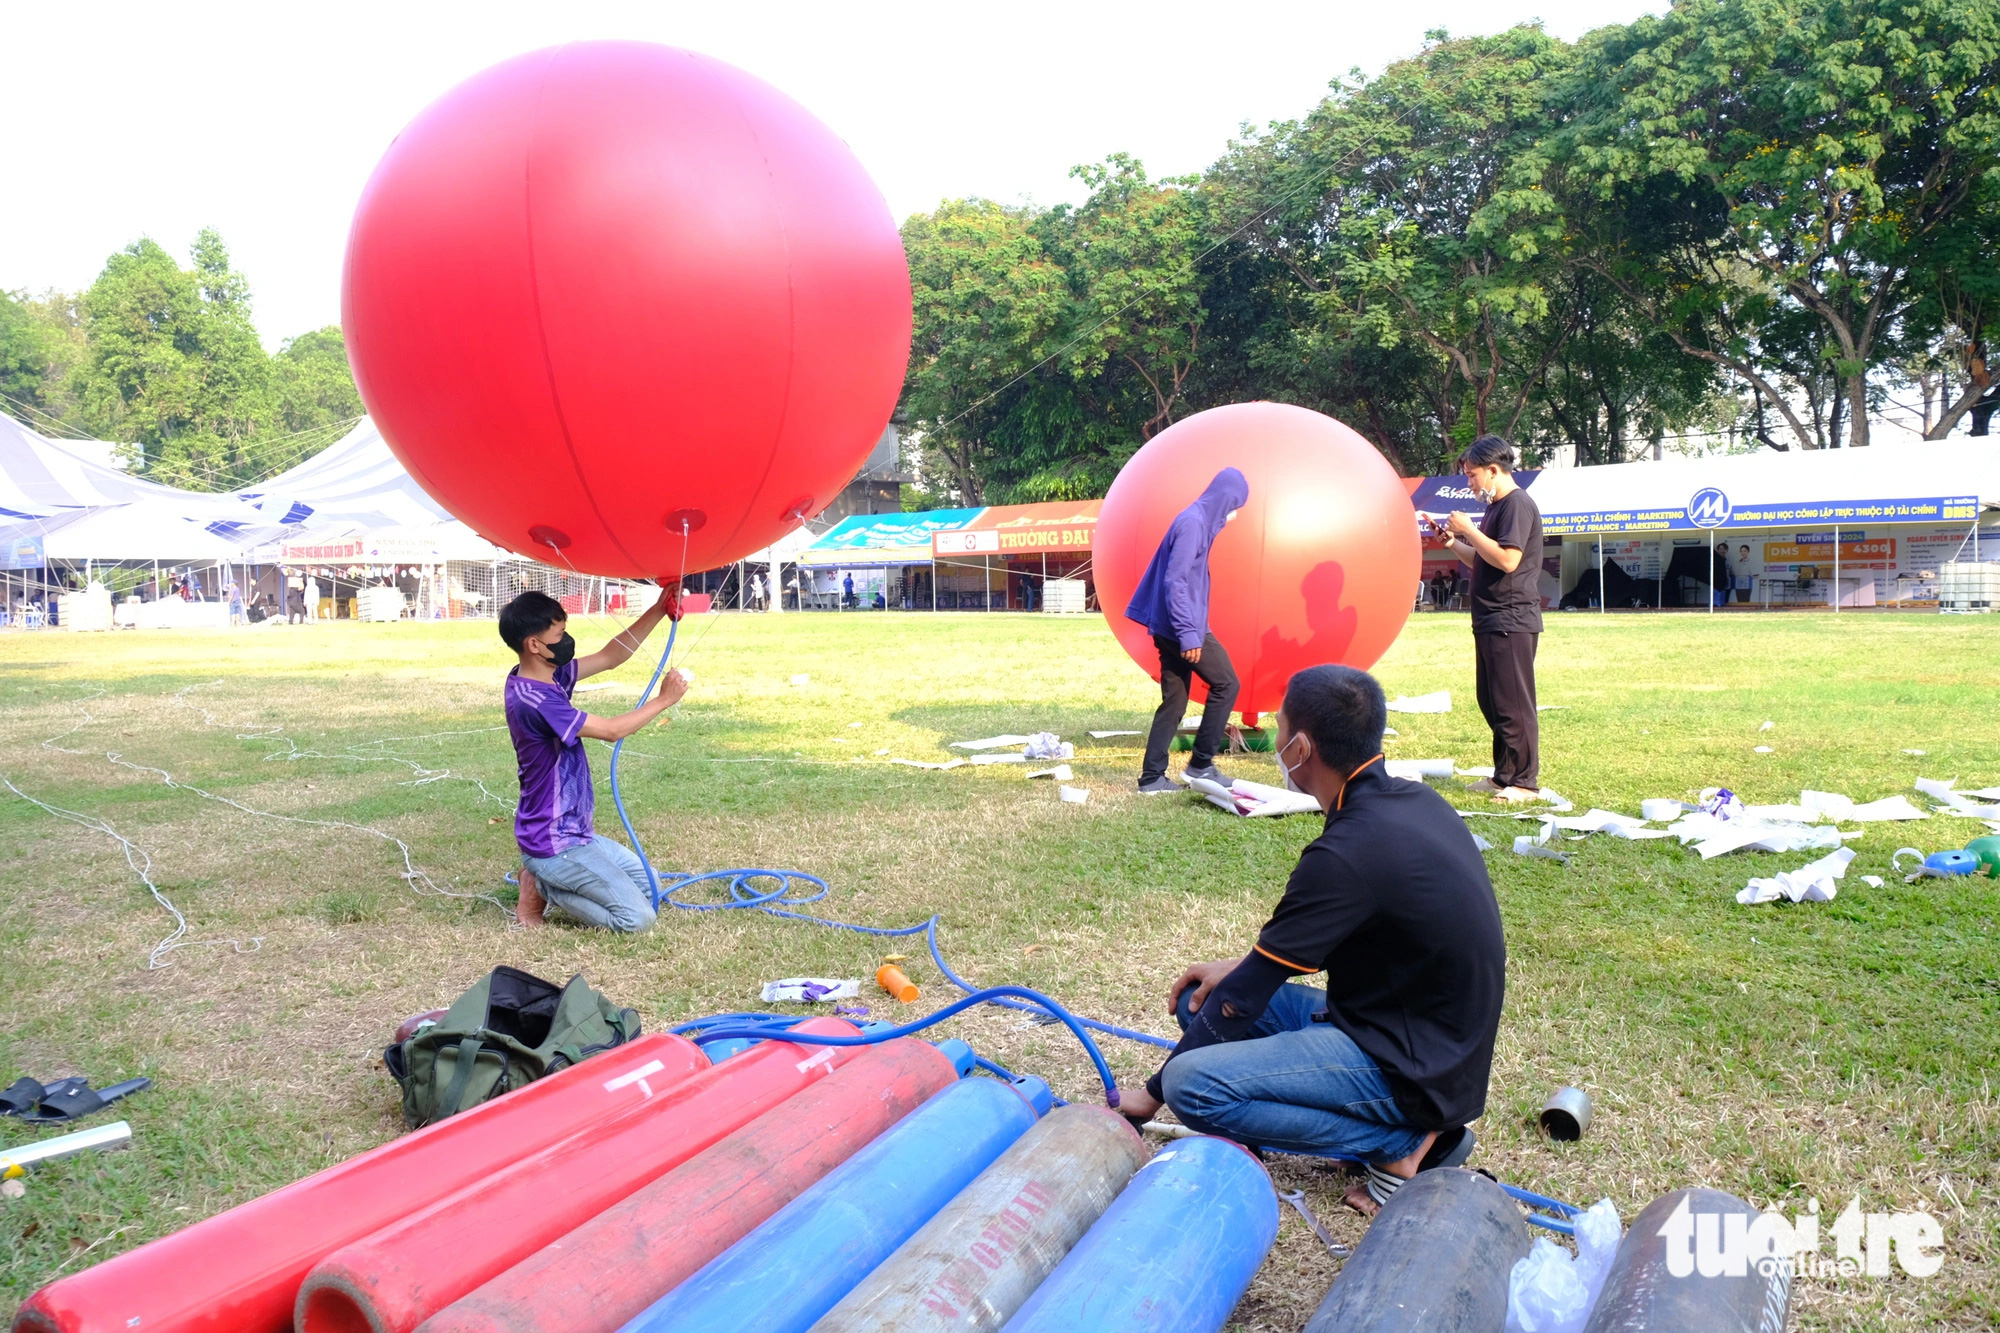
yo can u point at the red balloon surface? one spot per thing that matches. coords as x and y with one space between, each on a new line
1319 565
626 302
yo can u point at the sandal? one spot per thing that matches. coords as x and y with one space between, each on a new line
1450 1148
66 1099
21 1096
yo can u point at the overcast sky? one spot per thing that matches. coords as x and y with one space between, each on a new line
265 121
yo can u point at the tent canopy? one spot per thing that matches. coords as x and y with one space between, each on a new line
1939 482
82 510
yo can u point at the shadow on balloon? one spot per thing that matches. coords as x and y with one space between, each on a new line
1330 627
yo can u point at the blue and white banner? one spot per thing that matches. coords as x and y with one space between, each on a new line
21 553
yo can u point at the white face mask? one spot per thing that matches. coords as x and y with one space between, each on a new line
1286 768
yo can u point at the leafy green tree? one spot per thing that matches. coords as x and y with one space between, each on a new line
1131 252
175 368
987 300
313 383
1813 153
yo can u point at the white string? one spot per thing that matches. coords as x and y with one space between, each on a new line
136 857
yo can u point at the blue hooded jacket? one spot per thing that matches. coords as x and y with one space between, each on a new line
1172 598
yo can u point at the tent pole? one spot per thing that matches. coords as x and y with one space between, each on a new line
933 583
1836 569
1602 600
1711 571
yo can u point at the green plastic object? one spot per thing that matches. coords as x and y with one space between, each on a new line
1987 849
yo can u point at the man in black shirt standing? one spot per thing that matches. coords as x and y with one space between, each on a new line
1390 1062
1505 552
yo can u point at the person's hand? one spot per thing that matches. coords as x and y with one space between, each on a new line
1461 524
670 599
1136 1104
1204 977
675 687
1191 655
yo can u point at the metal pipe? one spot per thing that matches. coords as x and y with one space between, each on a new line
15 1161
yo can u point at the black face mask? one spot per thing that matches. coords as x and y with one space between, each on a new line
562 650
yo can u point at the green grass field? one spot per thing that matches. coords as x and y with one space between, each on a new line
1780 1052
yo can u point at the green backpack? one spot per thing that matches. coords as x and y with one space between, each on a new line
507 1031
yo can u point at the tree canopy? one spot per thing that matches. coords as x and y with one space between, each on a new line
167 360
1766 219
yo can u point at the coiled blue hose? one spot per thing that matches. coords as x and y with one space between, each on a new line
779 900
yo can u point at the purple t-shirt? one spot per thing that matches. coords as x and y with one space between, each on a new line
557 802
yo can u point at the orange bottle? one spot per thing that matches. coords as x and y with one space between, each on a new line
891 979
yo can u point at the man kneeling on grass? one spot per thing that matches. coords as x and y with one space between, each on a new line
565 862
1389 1063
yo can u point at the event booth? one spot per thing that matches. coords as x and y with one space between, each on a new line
1028 557
1840 528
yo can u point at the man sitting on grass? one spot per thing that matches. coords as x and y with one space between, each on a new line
564 860
1389 1063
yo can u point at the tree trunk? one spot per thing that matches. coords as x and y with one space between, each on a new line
1857 411
1983 410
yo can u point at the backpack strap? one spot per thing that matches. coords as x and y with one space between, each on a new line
468 1055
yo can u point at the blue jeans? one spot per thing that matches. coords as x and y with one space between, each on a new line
600 884
1297 1086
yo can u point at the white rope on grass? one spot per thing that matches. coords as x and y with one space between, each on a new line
136 857
142 866
275 733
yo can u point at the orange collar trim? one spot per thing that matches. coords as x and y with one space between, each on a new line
1342 799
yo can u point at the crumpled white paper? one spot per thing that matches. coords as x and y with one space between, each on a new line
1048 745
991 743
1255 799
1959 803
1715 837
1076 795
1439 702
1606 821
999 759
1060 773
1836 806
1418 769
1813 882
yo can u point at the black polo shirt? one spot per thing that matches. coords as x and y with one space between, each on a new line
1502 602
1392 902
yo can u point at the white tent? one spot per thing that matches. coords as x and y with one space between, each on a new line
80 510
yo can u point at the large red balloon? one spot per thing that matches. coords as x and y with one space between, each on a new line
1320 564
626 302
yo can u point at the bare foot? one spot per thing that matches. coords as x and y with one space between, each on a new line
1361 1201
528 910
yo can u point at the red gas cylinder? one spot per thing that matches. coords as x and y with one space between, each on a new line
393 1280
597 1277
239 1271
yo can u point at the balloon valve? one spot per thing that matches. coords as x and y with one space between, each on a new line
685 521
544 535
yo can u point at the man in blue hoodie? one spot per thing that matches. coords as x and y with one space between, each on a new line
1172 602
